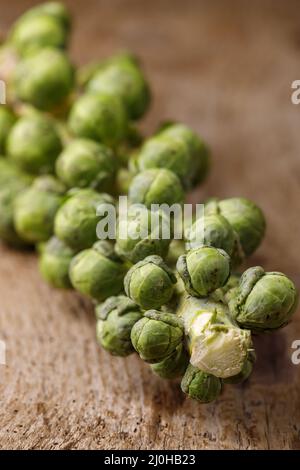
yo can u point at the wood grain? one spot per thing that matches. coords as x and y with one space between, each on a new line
226 69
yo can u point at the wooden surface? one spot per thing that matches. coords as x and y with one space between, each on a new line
226 69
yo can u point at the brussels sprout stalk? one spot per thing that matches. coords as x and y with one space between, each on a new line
216 344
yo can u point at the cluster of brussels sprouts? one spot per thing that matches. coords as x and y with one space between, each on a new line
69 143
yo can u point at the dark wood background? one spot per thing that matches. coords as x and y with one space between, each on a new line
226 69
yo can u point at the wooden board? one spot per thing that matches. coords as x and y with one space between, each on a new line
226 69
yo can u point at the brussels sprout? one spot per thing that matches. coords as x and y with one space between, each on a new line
86 72
34 144
216 345
200 158
98 272
126 80
201 386
44 79
56 10
143 233
54 262
166 152
8 194
116 317
34 32
156 186
35 209
172 366
150 282
76 221
264 301
213 230
178 149
7 120
245 372
85 163
99 117
246 219
156 336
203 270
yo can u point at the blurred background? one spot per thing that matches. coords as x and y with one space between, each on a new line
226 69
